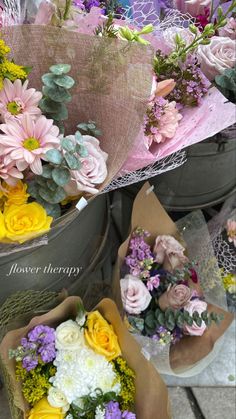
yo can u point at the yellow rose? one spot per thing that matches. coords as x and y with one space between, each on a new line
43 410
16 195
101 337
2 226
26 221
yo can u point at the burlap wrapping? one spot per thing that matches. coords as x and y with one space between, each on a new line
113 83
151 399
192 353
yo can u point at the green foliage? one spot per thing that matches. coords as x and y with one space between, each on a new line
55 91
90 403
170 319
226 83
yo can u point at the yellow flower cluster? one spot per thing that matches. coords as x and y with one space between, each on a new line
21 221
229 282
35 383
8 69
126 377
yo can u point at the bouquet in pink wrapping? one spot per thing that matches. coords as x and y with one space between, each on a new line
184 108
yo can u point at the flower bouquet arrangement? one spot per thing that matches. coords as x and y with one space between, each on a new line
71 364
165 290
217 57
182 107
50 154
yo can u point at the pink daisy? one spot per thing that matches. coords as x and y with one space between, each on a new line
16 99
25 141
9 173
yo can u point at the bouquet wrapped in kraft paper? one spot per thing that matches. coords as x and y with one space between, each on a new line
169 287
67 322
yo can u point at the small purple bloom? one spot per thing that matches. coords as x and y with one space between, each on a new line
30 362
42 334
128 415
153 282
113 411
47 353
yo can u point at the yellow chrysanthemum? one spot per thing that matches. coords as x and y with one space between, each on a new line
229 282
15 195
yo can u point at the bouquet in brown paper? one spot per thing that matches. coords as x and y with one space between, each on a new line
71 106
171 288
69 364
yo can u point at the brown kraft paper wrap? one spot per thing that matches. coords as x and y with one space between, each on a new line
191 351
151 399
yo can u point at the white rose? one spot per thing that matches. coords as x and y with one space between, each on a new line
57 399
93 171
170 34
69 336
216 57
135 296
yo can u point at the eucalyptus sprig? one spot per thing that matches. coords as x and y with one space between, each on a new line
90 403
170 319
56 88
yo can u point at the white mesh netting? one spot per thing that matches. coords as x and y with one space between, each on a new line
168 163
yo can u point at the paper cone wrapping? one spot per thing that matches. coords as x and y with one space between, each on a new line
192 353
151 399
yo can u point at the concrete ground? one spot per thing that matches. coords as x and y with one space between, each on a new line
186 402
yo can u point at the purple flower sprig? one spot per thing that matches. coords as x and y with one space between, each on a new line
39 345
140 258
165 337
113 412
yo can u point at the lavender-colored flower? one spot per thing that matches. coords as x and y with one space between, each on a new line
91 3
28 346
79 4
47 353
42 334
112 411
140 259
153 282
29 362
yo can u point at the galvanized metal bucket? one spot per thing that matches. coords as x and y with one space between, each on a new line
206 179
70 260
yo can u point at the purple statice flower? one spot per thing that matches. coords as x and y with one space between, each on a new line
29 362
153 282
112 411
91 3
128 415
140 259
47 353
28 346
42 334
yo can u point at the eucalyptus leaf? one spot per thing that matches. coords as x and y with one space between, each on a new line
51 185
79 137
57 94
64 81
60 69
61 176
33 189
72 161
68 145
49 106
48 80
47 171
54 156
53 210
150 321
53 197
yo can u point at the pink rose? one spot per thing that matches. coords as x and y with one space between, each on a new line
229 30
93 171
169 253
194 7
217 56
135 296
198 306
175 297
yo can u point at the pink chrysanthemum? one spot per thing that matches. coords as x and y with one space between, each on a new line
16 99
25 141
161 121
9 173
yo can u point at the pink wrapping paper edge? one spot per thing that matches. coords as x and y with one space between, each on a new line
199 123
